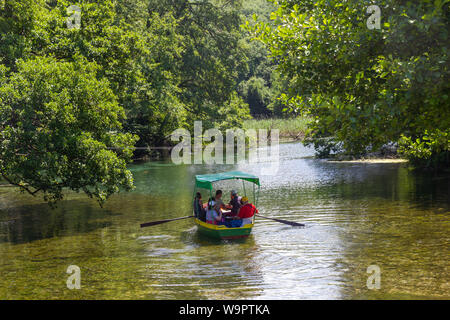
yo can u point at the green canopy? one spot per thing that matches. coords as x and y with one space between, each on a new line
205 181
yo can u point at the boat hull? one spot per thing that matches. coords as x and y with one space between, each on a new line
222 232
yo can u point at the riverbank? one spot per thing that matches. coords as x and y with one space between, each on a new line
292 129
374 160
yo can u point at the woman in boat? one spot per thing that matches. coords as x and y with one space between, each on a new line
213 214
199 208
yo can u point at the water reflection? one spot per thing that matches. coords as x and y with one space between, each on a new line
199 267
33 222
356 215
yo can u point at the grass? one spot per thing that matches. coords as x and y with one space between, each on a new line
291 129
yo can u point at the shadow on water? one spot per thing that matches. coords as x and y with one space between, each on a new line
391 182
27 223
194 237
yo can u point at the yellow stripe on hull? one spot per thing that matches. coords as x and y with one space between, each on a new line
222 232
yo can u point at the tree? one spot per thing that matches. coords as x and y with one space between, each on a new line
60 128
211 58
137 51
257 95
364 87
259 85
144 67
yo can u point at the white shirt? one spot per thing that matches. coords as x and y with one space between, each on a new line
247 221
211 214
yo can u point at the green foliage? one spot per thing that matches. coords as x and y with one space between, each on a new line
153 66
289 128
432 150
211 58
232 114
256 94
60 128
18 19
363 88
260 85
138 57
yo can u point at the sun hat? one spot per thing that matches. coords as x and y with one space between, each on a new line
244 199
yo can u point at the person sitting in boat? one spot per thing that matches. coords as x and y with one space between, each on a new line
235 203
219 205
199 207
214 213
247 211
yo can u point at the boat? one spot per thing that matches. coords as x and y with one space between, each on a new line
222 232
206 182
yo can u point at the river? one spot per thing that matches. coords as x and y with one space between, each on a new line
356 215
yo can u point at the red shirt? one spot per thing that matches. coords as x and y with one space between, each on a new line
247 211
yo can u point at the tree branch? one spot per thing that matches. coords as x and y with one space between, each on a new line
33 193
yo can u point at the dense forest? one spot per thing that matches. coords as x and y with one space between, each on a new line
368 73
87 86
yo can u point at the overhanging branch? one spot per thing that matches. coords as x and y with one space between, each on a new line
23 187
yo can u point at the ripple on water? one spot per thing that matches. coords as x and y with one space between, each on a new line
356 215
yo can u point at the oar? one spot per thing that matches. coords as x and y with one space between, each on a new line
154 223
291 223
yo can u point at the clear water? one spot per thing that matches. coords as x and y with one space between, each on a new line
356 215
